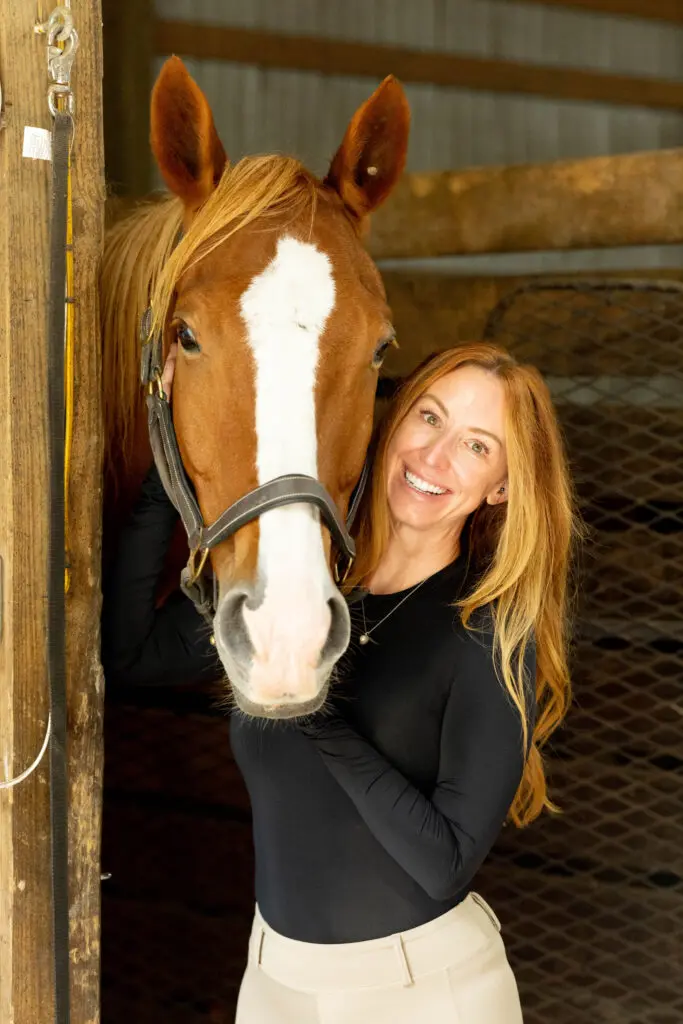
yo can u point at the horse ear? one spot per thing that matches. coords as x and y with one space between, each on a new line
372 155
185 143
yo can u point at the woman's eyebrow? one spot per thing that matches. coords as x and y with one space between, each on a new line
436 401
480 430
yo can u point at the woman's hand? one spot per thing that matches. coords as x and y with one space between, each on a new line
169 370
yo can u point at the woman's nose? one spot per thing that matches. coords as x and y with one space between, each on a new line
436 455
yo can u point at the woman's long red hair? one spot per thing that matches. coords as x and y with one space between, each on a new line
524 546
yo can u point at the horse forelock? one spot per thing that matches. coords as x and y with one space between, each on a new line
256 188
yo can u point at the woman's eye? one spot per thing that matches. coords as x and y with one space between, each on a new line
479 448
186 337
380 351
430 418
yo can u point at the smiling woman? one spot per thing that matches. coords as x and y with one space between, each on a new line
471 447
458 601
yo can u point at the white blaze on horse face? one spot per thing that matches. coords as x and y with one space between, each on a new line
285 310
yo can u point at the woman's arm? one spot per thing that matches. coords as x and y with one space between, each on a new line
143 645
441 839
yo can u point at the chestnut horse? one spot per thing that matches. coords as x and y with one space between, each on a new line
259 272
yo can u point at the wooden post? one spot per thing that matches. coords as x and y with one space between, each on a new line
26 981
85 679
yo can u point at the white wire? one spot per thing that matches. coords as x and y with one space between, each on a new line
31 768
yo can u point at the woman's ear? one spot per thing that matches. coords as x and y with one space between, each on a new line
499 495
372 155
185 142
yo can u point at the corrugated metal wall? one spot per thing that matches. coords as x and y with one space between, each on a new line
304 113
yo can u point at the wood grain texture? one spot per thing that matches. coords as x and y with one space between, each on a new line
85 682
634 199
338 57
25 886
27 973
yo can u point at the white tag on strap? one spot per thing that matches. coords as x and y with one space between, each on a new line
37 144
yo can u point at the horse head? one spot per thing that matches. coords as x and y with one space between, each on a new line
281 322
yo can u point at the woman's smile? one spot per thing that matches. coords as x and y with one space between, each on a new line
425 488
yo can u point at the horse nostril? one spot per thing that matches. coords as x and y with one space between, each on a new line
231 625
339 631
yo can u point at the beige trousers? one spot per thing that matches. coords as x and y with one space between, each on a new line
451 971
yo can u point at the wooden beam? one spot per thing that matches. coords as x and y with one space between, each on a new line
653 10
635 199
26 975
85 683
25 925
337 57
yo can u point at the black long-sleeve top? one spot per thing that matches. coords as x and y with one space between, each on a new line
374 818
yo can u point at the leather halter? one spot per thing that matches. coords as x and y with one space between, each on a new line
276 493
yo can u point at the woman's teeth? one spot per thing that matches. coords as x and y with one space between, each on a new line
421 485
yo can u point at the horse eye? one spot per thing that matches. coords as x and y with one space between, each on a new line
186 337
380 351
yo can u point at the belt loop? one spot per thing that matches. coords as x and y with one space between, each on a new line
488 910
405 966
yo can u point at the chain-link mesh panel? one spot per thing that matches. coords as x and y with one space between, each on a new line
592 900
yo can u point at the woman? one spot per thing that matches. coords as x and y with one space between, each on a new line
372 819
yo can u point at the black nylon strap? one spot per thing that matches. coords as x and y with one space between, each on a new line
56 621
171 470
283 490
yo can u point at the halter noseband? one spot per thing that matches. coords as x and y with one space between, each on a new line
276 493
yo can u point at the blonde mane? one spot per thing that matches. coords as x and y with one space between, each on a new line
135 251
142 263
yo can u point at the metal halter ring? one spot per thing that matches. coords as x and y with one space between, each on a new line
54 92
158 384
195 571
339 577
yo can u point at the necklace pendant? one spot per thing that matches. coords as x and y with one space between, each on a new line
364 639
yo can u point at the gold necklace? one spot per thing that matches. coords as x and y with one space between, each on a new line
364 638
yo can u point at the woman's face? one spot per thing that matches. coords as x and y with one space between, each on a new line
448 455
